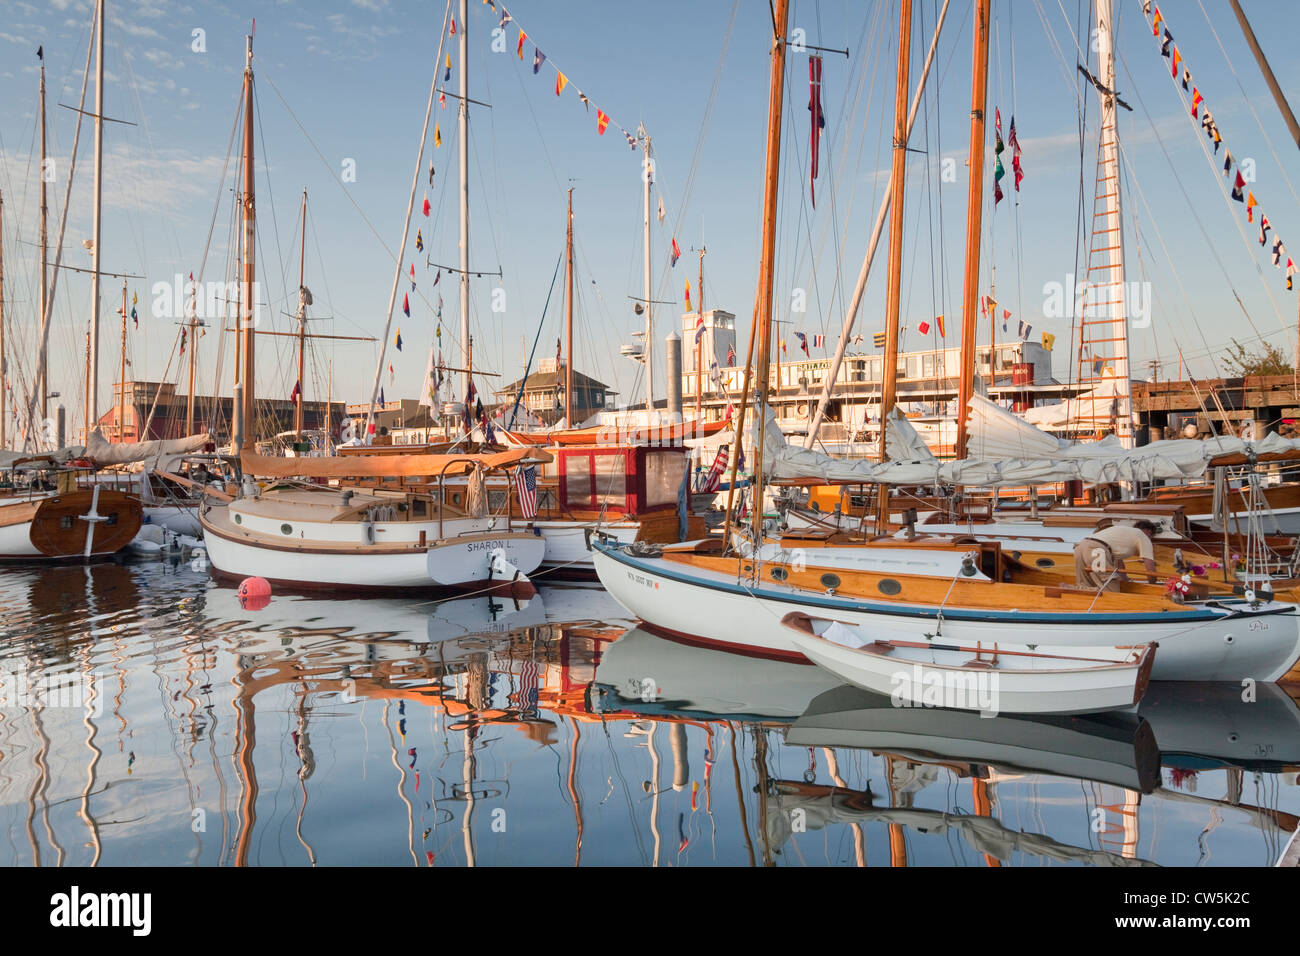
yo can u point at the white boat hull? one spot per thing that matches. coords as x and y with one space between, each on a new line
1228 642
1079 689
566 543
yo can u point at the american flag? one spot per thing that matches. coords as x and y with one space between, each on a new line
526 489
714 475
731 355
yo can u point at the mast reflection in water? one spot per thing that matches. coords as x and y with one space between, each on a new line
148 719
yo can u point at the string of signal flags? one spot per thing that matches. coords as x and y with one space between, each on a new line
1209 125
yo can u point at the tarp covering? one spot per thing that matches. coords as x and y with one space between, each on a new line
621 434
1008 451
384 466
103 452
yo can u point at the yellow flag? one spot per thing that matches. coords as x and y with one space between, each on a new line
560 82
1048 340
135 299
437 135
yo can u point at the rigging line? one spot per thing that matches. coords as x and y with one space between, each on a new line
333 177
1250 103
1214 166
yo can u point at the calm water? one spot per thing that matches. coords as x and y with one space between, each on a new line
149 719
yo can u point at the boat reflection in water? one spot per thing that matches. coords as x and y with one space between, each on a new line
493 732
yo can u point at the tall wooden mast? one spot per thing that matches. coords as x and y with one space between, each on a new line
247 303
766 275
462 133
568 320
974 218
4 359
92 357
121 376
41 386
699 342
189 396
894 275
302 322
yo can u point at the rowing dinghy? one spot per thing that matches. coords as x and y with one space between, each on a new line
996 678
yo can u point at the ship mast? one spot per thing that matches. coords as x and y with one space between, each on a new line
1103 323
568 320
462 132
4 363
974 218
45 255
302 321
766 275
894 275
92 363
647 174
248 339
121 400
699 342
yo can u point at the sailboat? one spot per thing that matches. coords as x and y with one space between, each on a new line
348 536
49 508
734 594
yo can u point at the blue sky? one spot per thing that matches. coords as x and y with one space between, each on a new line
355 75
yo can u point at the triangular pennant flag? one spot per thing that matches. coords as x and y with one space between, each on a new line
519 48
561 81
602 122
1178 59
426 205
700 325
1251 203
406 307
1187 78
1290 271
538 59
442 100
1155 23
1264 227
1197 99
1279 251
453 26
938 320
398 340
1237 187
447 76
419 241
412 276
661 210
676 252
437 135
1164 44
1227 161
1006 314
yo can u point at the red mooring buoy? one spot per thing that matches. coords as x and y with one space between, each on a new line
254 593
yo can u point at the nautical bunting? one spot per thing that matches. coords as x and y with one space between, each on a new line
1200 109
803 343
699 322
677 252
562 79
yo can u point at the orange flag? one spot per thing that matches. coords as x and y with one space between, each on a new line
602 121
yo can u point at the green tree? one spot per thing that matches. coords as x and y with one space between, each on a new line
1268 361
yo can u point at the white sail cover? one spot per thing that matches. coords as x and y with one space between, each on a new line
1006 450
103 452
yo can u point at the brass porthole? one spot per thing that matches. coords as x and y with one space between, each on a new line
888 586
779 574
830 580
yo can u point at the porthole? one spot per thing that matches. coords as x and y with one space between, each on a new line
779 574
286 529
888 586
1045 563
1016 555
830 580
239 519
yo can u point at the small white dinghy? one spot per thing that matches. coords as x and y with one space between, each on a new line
1001 678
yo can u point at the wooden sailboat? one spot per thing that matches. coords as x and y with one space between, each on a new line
737 600
345 537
